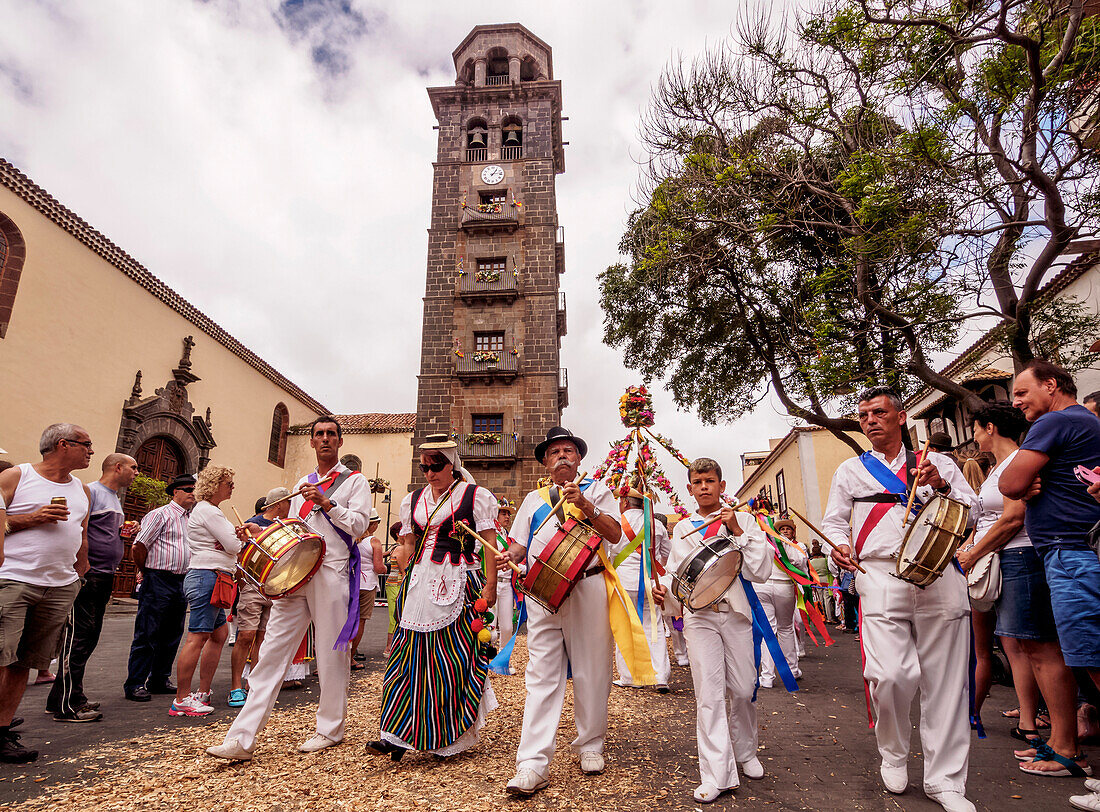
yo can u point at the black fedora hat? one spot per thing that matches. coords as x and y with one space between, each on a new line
558 433
182 481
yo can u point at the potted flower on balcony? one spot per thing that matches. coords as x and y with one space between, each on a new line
487 276
483 438
487 357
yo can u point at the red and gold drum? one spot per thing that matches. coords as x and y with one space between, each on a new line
283 558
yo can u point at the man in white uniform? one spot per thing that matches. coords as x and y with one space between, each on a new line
912 638
578 635
503 616
720 639
336 503
777 596
633 517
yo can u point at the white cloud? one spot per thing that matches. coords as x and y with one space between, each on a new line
247 152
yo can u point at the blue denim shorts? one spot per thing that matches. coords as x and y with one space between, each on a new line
1073 575
1023 610
198 586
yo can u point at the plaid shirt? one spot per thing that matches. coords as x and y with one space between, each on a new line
164 534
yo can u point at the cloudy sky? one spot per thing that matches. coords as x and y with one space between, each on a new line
244 150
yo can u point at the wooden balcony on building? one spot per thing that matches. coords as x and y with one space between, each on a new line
487 455
476 155
563 388
562 323
490 215
496 81
504 368
511 153
472 289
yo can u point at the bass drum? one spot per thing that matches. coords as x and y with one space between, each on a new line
705 576
931 541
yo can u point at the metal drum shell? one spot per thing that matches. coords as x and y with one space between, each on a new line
557 569
698 565
945 520
286 542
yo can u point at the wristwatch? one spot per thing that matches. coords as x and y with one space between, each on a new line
944 489
596 513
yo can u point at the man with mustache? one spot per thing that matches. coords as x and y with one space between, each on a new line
577 636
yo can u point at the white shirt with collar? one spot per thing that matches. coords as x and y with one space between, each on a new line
597 493
844 517
350 512
756 563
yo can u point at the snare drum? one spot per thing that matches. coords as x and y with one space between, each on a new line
705 576
930 543
561 565
283 558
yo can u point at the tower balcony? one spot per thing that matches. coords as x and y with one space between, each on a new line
563 388
470 288
562 323
497 365
487 455
559 251
490 215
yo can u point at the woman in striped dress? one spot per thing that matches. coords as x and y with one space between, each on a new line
436 693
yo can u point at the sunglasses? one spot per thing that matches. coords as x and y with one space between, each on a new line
186 490
434 467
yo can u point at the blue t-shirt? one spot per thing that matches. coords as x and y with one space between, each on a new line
105 548
261 521
1063 512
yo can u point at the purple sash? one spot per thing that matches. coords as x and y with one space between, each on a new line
351 626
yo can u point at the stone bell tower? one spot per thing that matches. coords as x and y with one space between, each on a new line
493 314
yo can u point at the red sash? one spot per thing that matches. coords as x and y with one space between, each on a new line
322 486
879 511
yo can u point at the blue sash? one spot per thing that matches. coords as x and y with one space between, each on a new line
888 479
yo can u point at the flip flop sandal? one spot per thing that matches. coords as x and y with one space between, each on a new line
1028 736
1042 721
1070 767
1011 714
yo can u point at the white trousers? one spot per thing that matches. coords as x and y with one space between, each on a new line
723 672
914 640
503 610
778 601
673 609
578 636
658 648
324 601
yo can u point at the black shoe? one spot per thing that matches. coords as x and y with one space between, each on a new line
78 716
12 752
386 749
360 656
139 694
166 688
16 722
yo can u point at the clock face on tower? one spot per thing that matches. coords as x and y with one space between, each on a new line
492 175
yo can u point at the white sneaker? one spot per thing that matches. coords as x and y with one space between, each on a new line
895 779
527 782
592 763
190 706
708 793
204 696
1090 801
752 768
797 673
316 742
230 750
952 801
1092 784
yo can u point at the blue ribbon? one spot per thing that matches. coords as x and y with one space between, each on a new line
762 630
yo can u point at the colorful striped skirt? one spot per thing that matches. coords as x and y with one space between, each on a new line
432 690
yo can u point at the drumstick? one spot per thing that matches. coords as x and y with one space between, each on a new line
913 493
561 502
488 545
820 534
288 496
703 526
240 521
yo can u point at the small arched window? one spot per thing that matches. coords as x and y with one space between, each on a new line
497 67
13 252
511 139
280 424
477 140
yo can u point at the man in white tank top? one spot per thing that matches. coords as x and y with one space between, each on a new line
44 557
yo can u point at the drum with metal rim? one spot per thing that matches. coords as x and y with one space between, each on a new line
283 558
931 541
705 576
561 565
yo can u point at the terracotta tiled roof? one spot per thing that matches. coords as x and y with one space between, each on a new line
1088 260
65 218
370 423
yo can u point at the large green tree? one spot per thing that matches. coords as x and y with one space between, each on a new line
821 210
